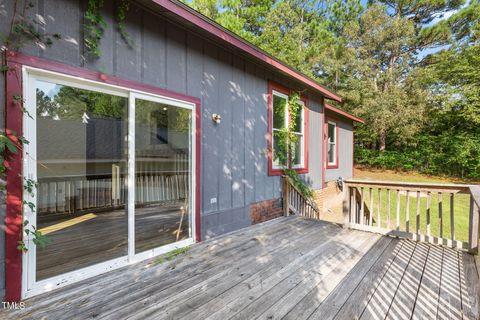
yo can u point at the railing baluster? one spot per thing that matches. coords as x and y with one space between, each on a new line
407 214
452 216
378 208
440 215
428 216
418 215
362 210
354 205
398 211
370 220
388 208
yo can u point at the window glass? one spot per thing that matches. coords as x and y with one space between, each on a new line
332 143
298 121
162 155
279 111
297 150
279 154
81 173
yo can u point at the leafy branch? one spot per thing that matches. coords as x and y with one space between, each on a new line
39 239
24 29
94 25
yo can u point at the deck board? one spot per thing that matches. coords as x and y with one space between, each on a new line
288 268
334 302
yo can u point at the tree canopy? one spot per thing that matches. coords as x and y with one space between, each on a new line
410 68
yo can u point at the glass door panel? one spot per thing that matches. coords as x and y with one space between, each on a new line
81 174
162 174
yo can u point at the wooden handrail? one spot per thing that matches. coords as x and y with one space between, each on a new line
403 186
295 202
353 211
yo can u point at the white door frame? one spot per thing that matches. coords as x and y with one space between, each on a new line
30 286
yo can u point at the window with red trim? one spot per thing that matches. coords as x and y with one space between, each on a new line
278 120
332 144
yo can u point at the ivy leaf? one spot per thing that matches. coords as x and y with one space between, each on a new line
21 246
7 144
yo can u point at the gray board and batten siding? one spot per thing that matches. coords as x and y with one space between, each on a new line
345 149
169 55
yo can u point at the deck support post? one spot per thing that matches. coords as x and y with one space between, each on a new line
286 211
346 207
473 227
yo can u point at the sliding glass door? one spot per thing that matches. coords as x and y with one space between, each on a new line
113 170
162 173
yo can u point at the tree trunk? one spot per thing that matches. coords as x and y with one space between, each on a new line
383 141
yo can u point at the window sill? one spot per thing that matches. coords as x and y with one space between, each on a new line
279 172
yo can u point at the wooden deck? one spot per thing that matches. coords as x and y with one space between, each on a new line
74 245
288 268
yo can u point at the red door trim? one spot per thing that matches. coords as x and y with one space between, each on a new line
14 124
14 188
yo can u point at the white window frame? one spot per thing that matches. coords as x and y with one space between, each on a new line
30 286
334 144
302 138
302 134
285 124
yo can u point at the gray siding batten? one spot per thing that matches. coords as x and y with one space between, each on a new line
176 70
128 56
225 138
238 127
155 53
210 144
314 176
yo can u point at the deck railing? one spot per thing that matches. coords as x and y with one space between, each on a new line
295 202
76 194
446 214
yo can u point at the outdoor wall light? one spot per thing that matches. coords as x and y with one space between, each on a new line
216 118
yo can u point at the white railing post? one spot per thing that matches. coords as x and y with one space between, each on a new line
346 206
473 228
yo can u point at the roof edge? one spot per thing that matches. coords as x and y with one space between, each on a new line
223 34
343 113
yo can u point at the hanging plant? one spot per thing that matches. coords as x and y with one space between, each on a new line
121 17
94 27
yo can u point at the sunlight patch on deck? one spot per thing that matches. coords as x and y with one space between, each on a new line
67 223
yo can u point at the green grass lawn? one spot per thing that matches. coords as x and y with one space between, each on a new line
461 205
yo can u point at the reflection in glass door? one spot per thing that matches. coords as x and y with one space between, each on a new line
81 173
114 177
162 174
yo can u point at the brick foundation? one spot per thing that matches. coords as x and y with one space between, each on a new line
329 197
266 210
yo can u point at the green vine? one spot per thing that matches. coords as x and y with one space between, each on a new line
121 17
24 29
38 238
285 142
95 25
